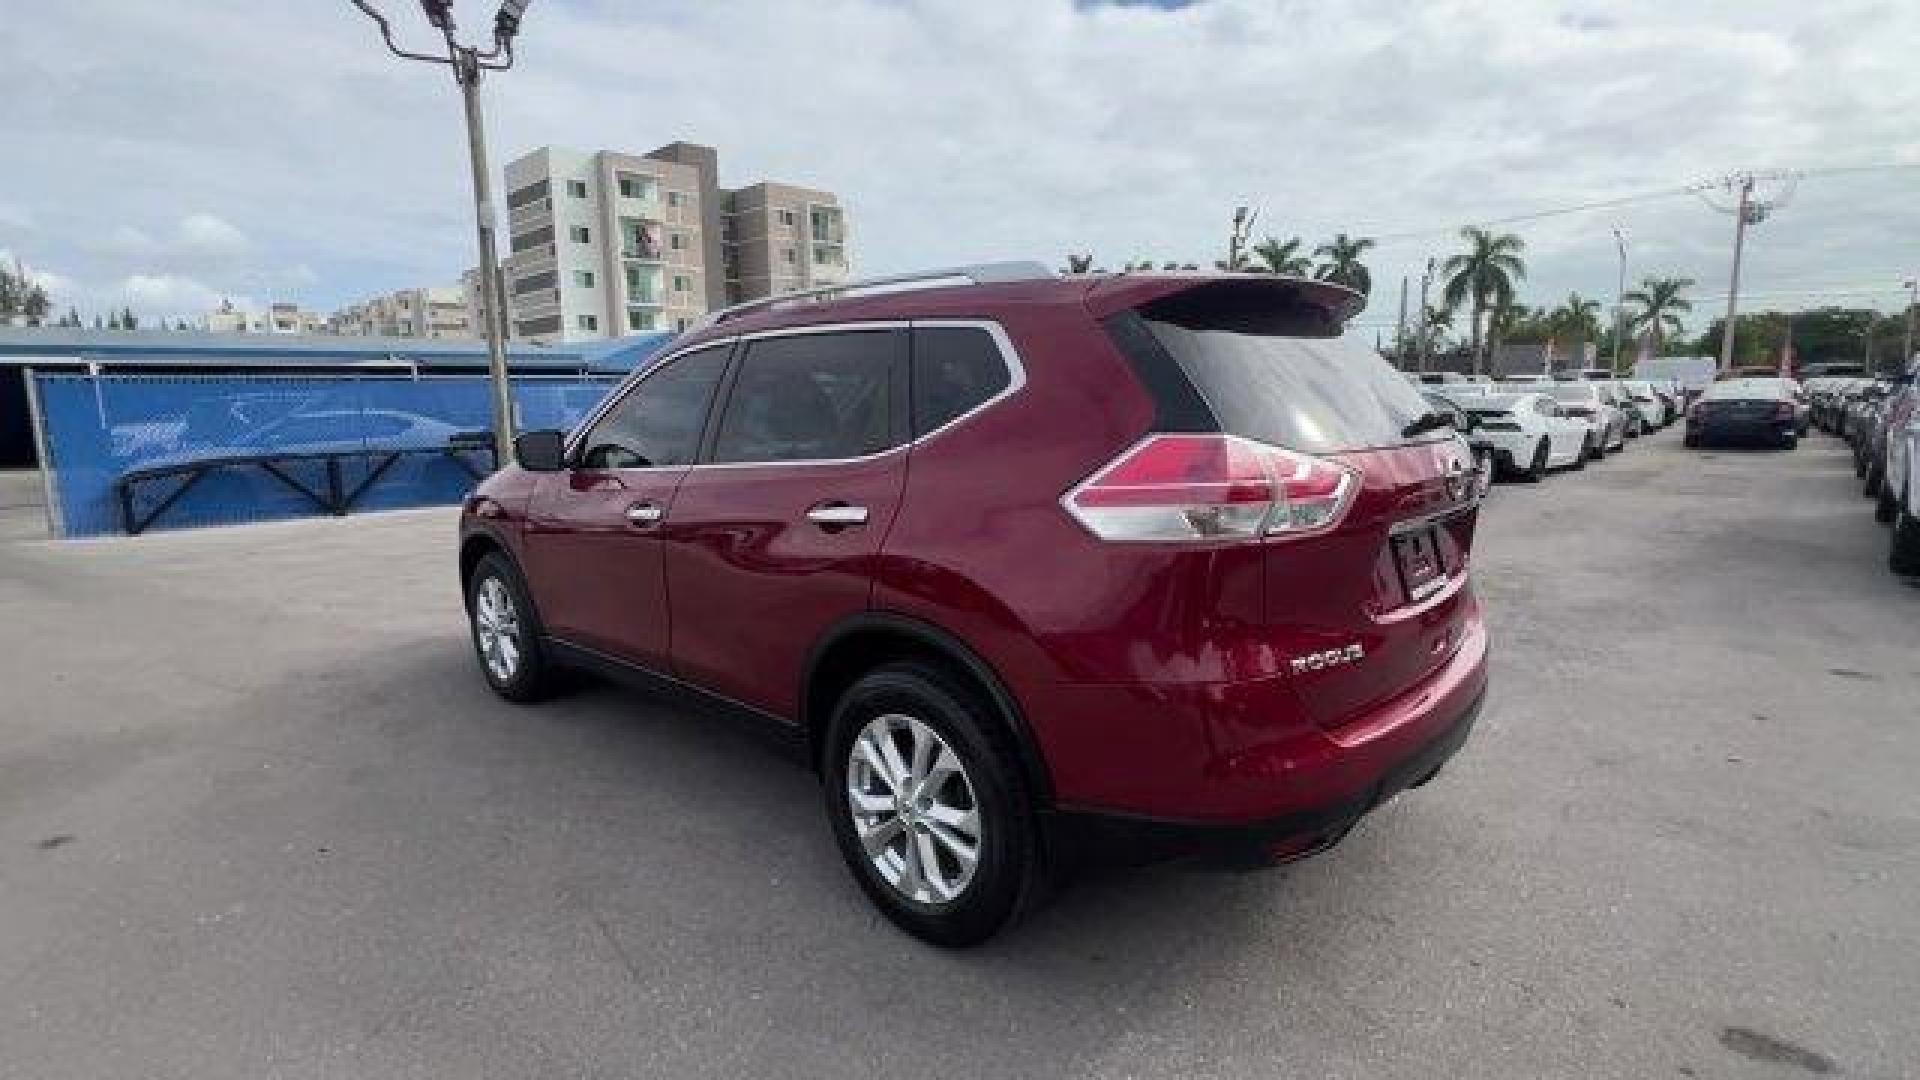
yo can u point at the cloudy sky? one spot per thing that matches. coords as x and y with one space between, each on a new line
163 155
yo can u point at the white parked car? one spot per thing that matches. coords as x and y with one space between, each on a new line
1589 403
1527 433
1642 399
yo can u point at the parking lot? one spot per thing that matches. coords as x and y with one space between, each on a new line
259 816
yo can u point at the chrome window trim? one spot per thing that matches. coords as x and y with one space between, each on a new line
1009 357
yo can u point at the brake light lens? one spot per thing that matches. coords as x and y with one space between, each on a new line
1172 488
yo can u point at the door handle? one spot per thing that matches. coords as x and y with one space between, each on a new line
646 512
837 515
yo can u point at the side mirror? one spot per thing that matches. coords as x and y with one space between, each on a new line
540 451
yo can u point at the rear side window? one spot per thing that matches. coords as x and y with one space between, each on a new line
1276 385
955 370
658 423
812 397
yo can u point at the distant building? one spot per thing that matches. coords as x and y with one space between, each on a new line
606 243
437 311
280 317
476 309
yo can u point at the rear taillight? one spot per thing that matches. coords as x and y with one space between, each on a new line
1783 410
1205 487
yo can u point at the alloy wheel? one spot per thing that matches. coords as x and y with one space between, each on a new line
914 810
496 623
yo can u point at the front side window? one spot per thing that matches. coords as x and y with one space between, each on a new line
955 370
658 423
811 397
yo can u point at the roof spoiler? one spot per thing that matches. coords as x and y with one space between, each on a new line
1331 302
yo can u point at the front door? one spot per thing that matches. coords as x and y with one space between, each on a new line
773 540
593 533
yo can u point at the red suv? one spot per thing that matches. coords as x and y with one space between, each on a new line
1030 566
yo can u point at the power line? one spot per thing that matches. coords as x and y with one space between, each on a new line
1627 200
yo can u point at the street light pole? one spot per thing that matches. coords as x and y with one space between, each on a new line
467 63
1619 301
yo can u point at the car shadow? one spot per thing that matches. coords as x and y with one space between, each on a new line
693 856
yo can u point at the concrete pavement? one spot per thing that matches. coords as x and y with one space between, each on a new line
260 817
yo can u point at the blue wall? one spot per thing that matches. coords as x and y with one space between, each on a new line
98 429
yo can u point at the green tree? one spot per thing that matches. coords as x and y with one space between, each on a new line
1079 264
1483 277
128 321
1658 303
1342 264
1282 257
1576 319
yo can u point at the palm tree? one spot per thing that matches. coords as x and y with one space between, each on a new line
1660 302
1343 265
1484 276
1282 258
1079 264
1578 318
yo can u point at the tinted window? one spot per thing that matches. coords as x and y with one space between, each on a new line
955 369
659 422
811 397
1307 393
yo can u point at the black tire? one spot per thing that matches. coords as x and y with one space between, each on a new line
1690 441
1884 506
1904 556
1871 489
1789 441
1007 874
1537 468
530 677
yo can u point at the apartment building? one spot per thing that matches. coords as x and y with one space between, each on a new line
436 311
782 238
607 243
280 317
476 308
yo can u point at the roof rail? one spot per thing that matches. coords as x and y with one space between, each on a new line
995 273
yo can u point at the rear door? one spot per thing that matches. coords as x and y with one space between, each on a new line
772 538
592 536
1391 577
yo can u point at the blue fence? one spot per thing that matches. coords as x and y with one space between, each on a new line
390 442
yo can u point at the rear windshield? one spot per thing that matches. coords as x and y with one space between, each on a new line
1747 389
1572 393
1315 394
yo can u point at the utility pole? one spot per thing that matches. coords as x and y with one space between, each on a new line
468 62
1746 210
1425 331
1619 301
1733 290
1913 302
1400 327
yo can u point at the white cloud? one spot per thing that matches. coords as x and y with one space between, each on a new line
209 235
991 129
168 291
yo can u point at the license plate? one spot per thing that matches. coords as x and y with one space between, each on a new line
1417 554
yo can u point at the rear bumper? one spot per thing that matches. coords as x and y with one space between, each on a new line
1300 794
1742 429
